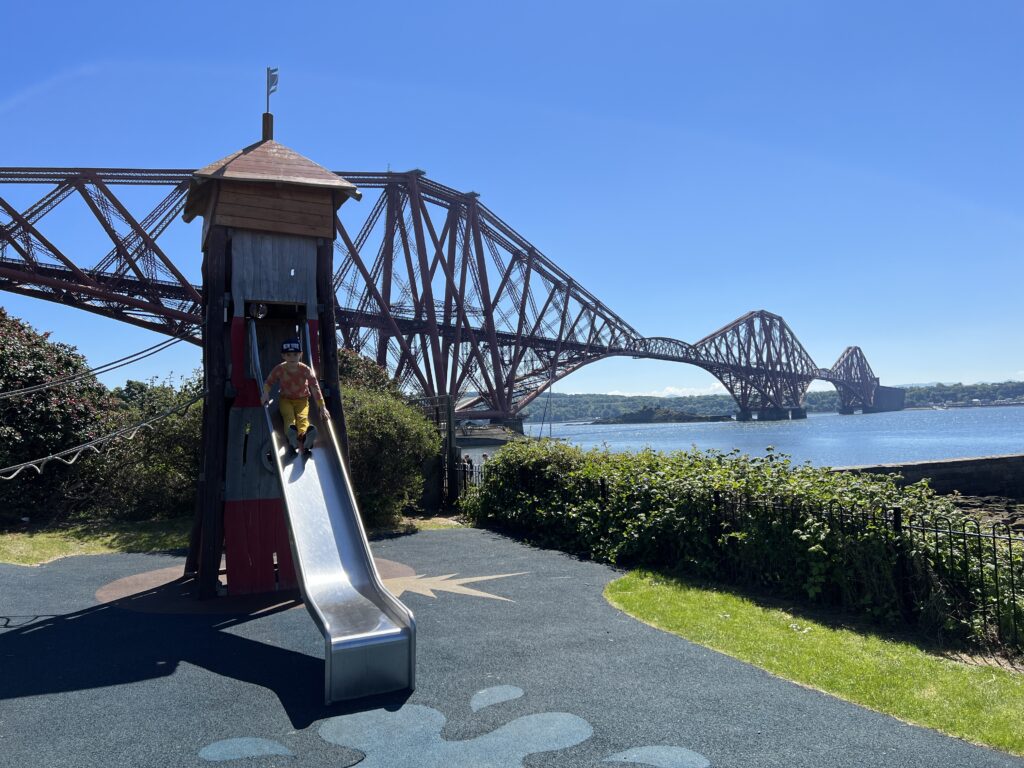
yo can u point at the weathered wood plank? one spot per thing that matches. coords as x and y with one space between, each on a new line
322 207
273 267
266 225
312 219
309 194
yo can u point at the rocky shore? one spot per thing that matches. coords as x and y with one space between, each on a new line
994 509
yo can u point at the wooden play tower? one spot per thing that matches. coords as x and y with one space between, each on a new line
268 230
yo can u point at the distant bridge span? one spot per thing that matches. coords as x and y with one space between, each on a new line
428 282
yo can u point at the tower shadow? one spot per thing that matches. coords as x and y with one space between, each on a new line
112 644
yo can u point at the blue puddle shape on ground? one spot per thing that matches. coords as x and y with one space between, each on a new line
495 695
412 736
661 757
236 749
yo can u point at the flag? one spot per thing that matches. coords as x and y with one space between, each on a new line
271 80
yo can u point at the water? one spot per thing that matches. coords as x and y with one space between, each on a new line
825 439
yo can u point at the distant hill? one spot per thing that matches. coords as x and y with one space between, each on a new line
563 407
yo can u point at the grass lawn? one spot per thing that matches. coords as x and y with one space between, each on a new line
35 546
981 704
433 523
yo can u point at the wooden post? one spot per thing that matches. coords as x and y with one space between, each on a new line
211 484
329 338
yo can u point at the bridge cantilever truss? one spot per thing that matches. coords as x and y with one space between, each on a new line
429 282
854 380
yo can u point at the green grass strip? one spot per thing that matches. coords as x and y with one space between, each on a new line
33 547
979 704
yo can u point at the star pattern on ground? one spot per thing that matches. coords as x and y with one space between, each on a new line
428 585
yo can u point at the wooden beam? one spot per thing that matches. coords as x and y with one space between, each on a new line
329 339
215 415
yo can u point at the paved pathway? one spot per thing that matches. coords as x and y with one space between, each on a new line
550 675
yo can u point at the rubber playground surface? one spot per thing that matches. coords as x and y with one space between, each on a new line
520 661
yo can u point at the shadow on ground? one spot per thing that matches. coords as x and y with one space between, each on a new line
113 644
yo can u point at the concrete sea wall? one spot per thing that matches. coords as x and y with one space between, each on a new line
984 476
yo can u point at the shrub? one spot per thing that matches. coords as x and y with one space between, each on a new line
856 541
389 441
154 474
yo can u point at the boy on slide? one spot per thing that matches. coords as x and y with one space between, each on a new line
296 380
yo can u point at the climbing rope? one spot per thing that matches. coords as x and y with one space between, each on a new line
9 473
105 368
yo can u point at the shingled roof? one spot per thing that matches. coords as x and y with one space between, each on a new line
269 162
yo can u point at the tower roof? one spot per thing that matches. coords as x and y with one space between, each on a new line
266 161
269 161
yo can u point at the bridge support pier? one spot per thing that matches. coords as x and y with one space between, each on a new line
781 414
515 423
846 410
744 414
887 399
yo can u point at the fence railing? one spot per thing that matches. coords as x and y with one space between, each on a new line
469 475
982 564
986 559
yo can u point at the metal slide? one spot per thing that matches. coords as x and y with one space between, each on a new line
370 636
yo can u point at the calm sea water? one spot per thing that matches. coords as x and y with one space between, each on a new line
825 439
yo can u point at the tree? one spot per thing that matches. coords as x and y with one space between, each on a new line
354 370
38 424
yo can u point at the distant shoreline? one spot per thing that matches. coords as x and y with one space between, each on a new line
725 418
959 405
681 418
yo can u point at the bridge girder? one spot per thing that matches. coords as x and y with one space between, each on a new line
431 284
134 281
760 361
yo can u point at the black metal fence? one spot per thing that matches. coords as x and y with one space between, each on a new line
979 566
441 487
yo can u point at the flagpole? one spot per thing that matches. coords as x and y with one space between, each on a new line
268 119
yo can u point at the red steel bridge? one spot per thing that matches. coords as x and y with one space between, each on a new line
429 282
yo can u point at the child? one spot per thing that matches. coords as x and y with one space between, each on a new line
296 380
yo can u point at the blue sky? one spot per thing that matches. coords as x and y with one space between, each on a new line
854 167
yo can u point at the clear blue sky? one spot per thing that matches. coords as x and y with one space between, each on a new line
857 168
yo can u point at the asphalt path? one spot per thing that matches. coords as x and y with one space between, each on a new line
530 669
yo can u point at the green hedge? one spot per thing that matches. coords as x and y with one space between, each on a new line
389 441
841 539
